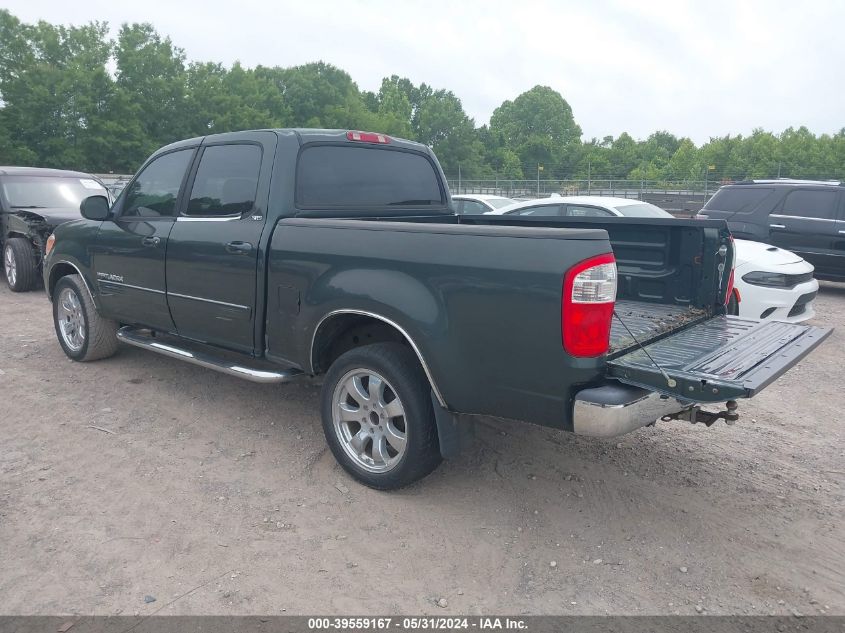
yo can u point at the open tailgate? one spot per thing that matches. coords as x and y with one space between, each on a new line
723 358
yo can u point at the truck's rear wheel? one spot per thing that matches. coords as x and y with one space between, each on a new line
378 418
83 334
19 264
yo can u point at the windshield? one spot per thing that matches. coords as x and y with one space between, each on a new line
40 192
643 210
498 203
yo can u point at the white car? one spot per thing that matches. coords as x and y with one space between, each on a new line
476 204
769 282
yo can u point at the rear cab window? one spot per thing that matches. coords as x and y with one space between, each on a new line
331 176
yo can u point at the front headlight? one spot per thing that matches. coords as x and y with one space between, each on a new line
773 280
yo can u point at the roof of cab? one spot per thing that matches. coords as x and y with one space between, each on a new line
42 172
305 135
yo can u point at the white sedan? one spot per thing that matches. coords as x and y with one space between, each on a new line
769 282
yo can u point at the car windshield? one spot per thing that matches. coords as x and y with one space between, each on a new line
644 210
42 192
498 203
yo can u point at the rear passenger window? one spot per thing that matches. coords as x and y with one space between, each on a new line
472 207
337 176
226 181
809 203
541 211
576 211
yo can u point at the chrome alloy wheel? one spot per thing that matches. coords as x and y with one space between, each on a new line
10 265
369 420
71 320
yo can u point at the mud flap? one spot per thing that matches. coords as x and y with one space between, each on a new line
721 359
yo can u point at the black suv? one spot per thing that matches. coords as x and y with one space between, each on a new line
803 216
33 202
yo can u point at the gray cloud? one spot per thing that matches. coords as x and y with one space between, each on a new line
696 69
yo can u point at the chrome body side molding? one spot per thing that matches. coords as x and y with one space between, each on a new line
393 324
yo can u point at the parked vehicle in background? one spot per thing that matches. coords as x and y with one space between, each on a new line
33 202
584 207
473 204
769 282
274 254
772 283
803 216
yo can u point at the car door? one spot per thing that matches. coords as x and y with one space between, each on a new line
129 256
213 253
805 222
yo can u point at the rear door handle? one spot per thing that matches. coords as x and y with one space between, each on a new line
152 242
239 248
777 226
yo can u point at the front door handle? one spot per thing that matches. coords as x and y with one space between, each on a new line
239 248
152 242
777 226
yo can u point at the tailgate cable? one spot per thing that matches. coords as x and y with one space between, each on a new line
669 381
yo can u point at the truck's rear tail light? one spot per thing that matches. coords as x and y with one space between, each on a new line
589 293
368 137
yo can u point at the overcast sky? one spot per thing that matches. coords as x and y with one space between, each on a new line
699 69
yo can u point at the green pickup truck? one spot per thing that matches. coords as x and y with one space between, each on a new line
276 254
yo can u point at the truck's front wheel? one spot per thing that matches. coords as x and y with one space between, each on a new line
83 334
378 418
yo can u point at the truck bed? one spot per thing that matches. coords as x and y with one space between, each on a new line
647 321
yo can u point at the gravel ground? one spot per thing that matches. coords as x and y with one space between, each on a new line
140 484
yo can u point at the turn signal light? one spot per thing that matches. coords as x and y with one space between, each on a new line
51 242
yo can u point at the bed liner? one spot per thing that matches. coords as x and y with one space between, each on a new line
648 321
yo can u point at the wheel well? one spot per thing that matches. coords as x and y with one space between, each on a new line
57 272
342 332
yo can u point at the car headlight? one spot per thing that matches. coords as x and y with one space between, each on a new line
773 280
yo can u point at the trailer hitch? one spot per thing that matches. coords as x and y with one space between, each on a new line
696 414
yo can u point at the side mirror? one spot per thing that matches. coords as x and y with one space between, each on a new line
95 208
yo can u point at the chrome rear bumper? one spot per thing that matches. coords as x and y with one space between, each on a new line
614 409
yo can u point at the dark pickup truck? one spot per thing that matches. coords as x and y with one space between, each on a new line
276 254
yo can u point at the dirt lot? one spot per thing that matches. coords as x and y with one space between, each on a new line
214 495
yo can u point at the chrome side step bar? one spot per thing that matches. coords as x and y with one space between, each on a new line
139 338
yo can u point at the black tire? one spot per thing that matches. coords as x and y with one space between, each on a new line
24 274
733 305
100 335
401 369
